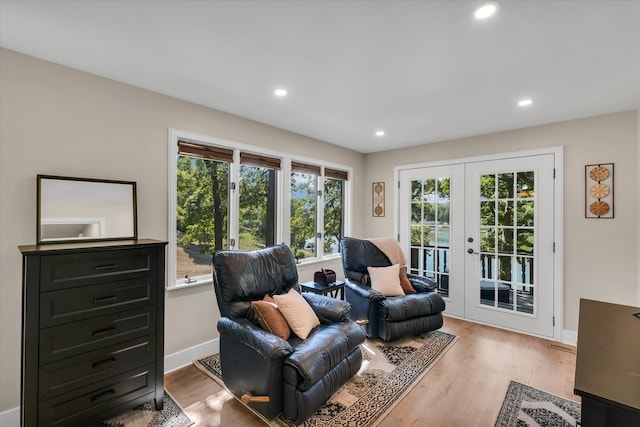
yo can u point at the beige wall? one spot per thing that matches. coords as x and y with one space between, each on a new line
54 120
600 256
58 121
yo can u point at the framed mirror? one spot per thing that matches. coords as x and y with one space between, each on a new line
85 209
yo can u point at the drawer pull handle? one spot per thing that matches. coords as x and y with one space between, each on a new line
103 363
104 299
104 331
107 267
102 396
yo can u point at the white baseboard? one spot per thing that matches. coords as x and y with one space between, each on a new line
570 337
185 357
11 418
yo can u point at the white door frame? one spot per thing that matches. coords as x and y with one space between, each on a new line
558 258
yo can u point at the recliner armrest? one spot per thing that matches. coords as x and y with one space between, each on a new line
268 345
328 309
364 292
422 284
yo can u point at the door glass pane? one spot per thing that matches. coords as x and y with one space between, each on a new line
524 242
505 240
416 213
525 270
416 235
506 258
443 213
487 292
444 258
525 213
429 213
524 299
505 186
444 188
488 240
430 230
487 187
416 191
504 296
443 237
505 212
429 260
487 266
525 183
488 213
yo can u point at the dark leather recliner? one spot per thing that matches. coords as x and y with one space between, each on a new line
297 376
389 317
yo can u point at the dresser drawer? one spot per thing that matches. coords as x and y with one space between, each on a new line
68 305
70 270
74 338
69 374
74 408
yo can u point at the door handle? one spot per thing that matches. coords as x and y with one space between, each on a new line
471 251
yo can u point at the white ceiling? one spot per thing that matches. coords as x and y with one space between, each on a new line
423 71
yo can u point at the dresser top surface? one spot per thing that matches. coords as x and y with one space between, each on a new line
84 246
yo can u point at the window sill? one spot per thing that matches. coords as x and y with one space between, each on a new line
183 285
311 261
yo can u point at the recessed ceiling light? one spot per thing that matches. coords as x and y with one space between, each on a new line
280 92
525 102
485 10
379 133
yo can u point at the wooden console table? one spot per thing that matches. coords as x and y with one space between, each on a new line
608 364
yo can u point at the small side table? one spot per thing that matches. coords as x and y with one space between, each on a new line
333 289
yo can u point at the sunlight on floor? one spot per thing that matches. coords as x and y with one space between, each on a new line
207 412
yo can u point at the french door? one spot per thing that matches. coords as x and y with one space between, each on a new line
484 231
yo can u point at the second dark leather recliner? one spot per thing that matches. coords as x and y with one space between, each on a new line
393 317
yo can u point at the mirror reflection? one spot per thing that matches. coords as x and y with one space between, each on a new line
76 209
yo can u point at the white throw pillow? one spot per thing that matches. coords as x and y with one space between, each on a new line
386 280
298 313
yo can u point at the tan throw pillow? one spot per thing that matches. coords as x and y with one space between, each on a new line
407 287
386 280
270 318
299 314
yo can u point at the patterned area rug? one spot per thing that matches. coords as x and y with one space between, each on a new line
528 406
389 371
146 415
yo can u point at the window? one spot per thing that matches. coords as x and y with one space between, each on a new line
258 179
334 203
313 210
202 203
230 196
304 210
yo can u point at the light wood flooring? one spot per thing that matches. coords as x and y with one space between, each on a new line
466 387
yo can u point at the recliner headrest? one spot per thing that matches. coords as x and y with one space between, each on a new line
241 277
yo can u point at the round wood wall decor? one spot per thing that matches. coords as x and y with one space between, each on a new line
599 208
599 173
599 190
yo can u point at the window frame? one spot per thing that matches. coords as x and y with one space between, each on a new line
283 202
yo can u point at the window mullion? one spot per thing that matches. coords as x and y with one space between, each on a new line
320 215
234 201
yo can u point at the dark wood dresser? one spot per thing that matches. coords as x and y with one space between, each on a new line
92 330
